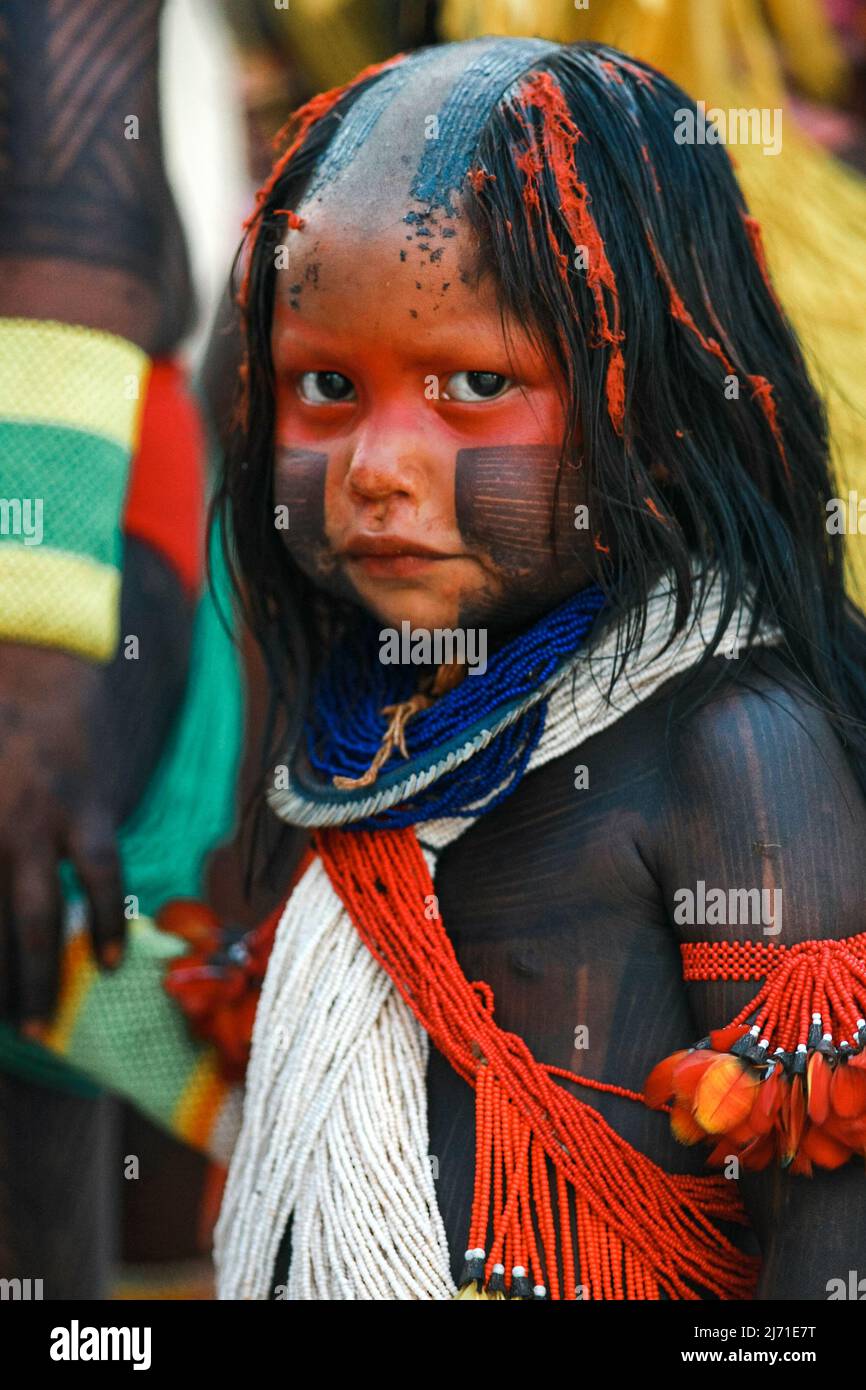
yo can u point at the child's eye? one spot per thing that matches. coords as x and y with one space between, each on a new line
475 386
325 388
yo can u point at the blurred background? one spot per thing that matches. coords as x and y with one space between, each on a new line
230 72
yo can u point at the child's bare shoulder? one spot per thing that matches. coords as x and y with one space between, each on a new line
758 790
762 735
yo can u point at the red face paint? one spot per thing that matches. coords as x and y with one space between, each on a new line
652 168
679 311
651 506
402 463
294 222
478 178
762 391
756 241
643 78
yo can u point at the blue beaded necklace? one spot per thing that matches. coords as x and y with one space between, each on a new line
345 728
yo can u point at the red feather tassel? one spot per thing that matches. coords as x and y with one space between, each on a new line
723 1039
688 1073
768 1101
724 1095
847 1092
819 1075
759 1153
792 1118
659 1085
684 1126
823 1150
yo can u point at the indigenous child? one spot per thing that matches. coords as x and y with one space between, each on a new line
520 403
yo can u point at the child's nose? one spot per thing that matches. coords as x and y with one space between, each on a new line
386 464
377 476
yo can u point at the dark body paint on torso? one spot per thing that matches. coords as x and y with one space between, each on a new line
553 902
559 900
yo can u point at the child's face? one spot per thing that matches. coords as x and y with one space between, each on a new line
417 456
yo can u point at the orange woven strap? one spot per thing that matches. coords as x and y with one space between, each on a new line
217 983
752 960
165 501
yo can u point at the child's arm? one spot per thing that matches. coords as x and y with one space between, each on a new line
761 797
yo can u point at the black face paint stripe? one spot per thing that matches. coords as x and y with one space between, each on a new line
504 501
299 485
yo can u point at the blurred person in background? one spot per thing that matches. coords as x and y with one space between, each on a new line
113 659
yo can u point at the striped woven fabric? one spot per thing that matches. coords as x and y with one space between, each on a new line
123 1029
70 406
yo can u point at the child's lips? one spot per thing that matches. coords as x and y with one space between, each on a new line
393 557
396 566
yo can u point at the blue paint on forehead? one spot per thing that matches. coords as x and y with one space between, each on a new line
361 119
464 113
461 117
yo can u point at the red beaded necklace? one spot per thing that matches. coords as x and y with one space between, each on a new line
640 1232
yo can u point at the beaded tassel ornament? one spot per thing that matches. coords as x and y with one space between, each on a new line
641 1232
786 1079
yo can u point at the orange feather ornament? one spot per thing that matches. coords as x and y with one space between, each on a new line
819 1075
724 1095
688 1074
684 1126
772 1084
659 1085
768 1101
848 1089
792 1118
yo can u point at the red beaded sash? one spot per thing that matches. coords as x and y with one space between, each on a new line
641 1233
786 1078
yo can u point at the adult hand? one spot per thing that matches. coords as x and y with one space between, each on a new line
52 807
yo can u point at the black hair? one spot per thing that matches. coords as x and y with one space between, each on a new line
687 394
